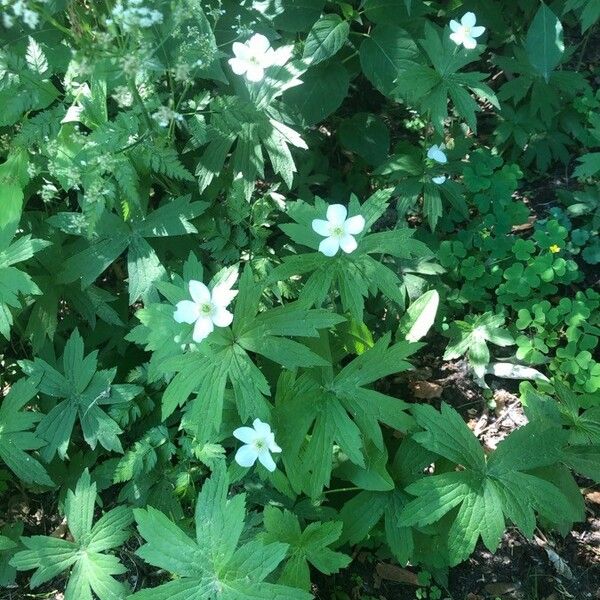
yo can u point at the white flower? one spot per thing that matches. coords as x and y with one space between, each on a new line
259 442
439 179
436 153
255 56
465 32
338 231
206 309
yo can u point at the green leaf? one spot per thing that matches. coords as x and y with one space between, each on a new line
386 54
419 316
486 491
366 135
544 42
303 547
35 58
337 409
447 434
323 90
81 391
589 165
145 271
214 565
297 15
90 569
16 439
325 38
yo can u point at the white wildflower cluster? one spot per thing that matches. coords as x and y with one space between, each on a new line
164 115
131 14
48 191
20 10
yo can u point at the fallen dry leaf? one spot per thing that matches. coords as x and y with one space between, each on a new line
397 574
500 589
593 497
426 389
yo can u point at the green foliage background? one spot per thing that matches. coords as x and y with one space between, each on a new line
133 161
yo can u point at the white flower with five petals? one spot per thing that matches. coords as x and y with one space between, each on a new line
259 442
437 154
206 309
338 231
465 32
255 56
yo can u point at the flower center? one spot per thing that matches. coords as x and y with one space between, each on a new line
260 444
205 309
466 30
337 231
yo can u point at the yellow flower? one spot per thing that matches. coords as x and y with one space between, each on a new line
554 248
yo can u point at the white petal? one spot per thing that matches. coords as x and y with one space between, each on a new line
262 429
468 20
354 224
245 434
255 73
329 246
436 153
336 214
281 55
202 329
266 460
348 243
241 50
246 456
221 317
273 447
454 25
469 43
258 43
268 59
238 65
321 227
439 179
186 311
199 292
458 37
477 31
222 296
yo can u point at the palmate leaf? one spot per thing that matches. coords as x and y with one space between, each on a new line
240 127
16 438
363 512
226 357
510 483
81 390
13 281
353 276
430 87
90 569
317 410
309 546
470 338
544 42
213 566
89 259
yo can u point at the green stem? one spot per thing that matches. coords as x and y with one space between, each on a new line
586 39
138 99
55 23
338 490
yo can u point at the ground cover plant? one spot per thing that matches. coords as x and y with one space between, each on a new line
234 235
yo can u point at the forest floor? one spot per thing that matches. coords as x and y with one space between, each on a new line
549 567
